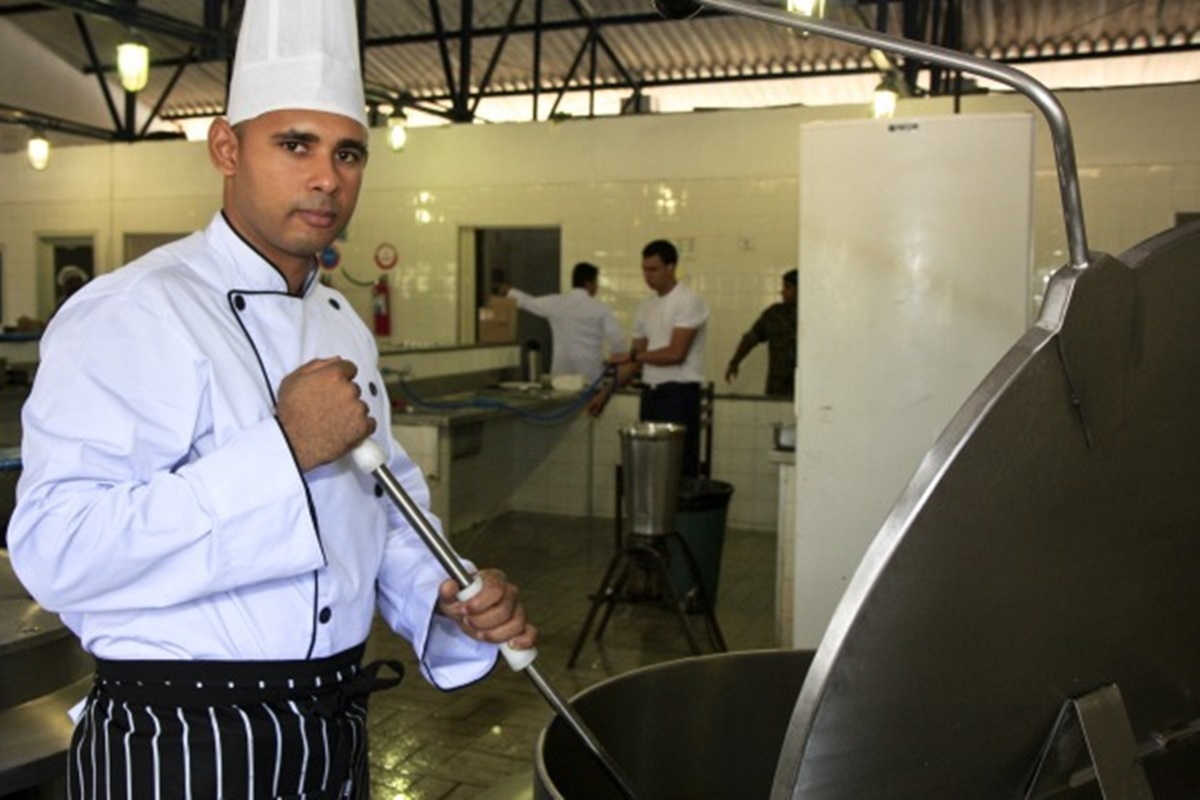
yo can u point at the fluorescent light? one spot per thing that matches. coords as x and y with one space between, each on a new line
38 151
807 8
133 62
397 131
883 102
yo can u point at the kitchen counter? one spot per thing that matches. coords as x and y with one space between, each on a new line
476 406
469 445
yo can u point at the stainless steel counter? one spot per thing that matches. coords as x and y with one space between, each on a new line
45 673
480 405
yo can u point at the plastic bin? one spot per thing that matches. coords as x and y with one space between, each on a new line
700 521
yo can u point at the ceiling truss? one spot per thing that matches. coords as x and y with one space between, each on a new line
596 63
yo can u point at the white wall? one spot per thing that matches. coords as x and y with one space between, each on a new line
732 176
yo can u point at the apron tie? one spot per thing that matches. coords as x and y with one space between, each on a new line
330 702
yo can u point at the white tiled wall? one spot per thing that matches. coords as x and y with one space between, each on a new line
418 364
723 186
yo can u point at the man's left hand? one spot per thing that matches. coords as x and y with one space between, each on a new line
494 615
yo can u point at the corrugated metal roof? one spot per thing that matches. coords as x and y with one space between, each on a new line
633 46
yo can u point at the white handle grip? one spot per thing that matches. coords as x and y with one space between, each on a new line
368 456
517 659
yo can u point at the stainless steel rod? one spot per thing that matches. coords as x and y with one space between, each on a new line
1038 94
369 457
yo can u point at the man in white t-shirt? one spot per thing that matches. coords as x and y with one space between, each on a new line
579 323
668 347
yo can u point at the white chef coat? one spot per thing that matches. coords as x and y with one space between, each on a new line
160 510
657 317
580 325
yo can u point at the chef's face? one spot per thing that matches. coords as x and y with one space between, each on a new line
292 179
659 277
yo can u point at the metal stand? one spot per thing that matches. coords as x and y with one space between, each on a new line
1098 723
650 553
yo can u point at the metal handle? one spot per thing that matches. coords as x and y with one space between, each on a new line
369 457
1038 94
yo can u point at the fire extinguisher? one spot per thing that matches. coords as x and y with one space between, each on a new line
381 307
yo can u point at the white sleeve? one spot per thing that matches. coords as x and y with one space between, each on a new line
691 313
542 306
117 510
408 591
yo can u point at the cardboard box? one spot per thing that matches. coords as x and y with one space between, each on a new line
498 320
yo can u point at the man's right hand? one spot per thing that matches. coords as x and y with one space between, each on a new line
600 400
322 412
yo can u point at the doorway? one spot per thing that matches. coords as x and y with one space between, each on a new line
528 259
64 264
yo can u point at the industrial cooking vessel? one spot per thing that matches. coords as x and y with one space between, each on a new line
704 727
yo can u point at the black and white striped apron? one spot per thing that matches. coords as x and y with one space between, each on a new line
198 730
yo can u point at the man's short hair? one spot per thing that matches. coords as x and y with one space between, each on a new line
665 251
790 277
584 273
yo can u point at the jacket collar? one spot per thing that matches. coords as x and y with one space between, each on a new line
244 267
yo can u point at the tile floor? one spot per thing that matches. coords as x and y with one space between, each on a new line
479 742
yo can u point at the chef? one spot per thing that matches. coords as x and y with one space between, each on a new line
187 504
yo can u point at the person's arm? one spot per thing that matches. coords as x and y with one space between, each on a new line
454 643
675 351
542 306
625 372
127 499
748 343
628 363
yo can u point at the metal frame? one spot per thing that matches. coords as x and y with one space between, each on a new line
934 21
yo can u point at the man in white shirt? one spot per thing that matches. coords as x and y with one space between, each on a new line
579 323
186 502
668 348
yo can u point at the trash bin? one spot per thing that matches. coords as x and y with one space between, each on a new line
700 521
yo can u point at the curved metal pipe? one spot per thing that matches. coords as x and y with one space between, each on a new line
1039 95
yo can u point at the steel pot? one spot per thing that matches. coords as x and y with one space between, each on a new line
697 728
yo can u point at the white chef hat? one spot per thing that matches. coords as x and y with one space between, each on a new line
297 54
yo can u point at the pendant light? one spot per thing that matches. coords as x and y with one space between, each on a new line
397 131
807 8
883 103
133 62
38 151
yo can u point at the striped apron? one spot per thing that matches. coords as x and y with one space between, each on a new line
199 730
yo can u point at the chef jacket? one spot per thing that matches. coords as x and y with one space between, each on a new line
160 509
